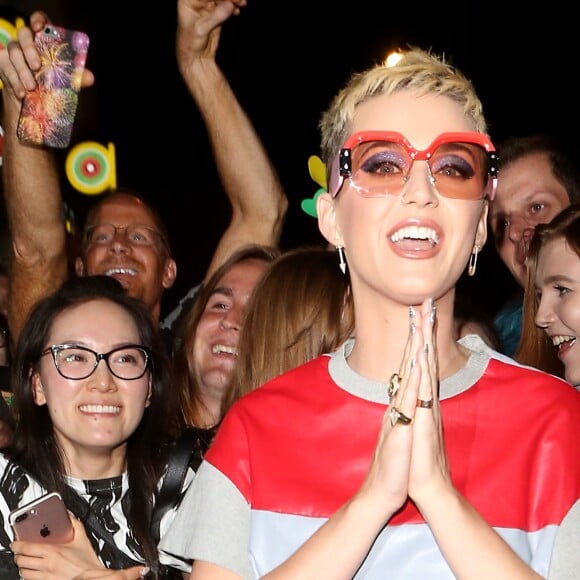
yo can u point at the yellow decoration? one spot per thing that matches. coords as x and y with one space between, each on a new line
91 167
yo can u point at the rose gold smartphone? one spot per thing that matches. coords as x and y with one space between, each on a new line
48 113
45 519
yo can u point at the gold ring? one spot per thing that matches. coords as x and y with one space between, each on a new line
425 404
394 385
397 417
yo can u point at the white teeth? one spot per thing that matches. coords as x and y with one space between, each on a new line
109 409
127 271
416 233
559 339
222 348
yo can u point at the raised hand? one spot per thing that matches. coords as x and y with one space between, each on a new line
20 60
199 27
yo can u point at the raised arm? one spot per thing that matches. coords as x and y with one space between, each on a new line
250 181
32 195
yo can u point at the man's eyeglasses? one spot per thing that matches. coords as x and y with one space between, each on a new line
461 165
135 234
79 362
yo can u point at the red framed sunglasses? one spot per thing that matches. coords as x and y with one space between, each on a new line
461 165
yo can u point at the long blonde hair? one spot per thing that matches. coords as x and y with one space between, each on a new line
300 308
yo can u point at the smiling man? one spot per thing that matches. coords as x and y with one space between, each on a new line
125 238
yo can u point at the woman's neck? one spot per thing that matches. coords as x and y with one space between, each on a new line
95 463
380 342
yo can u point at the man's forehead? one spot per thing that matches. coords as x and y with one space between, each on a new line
123 212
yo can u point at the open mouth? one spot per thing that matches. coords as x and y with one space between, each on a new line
563 343
100 409
415 238
224 349
121 271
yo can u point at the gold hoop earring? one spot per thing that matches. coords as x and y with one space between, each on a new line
473 261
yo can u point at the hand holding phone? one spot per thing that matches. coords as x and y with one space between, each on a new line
45 519
48 113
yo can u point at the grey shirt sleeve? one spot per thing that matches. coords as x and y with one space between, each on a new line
565 562
211 524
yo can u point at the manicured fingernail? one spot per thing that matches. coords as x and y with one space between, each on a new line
411 312
412 363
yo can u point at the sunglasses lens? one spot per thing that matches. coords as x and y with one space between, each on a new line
460 170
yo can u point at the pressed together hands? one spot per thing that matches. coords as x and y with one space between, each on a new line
410 460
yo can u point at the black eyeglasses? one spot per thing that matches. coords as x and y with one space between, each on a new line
79 362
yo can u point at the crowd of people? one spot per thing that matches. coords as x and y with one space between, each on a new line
346 386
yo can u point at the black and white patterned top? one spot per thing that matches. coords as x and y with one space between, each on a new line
108 499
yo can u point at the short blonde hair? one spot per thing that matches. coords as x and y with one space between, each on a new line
419 70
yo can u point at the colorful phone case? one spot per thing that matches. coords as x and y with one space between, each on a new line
45 519
48 113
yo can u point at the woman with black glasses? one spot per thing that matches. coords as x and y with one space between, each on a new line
95 407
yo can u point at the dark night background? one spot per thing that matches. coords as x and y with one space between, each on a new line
285 61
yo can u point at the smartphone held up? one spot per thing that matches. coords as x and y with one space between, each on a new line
48 113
